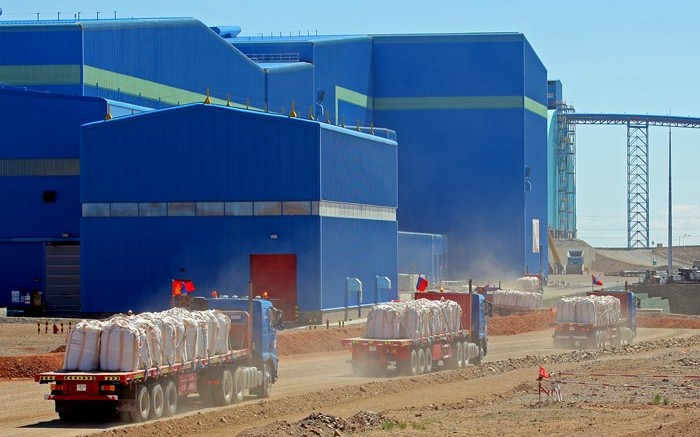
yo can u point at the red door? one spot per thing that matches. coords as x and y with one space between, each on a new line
276 275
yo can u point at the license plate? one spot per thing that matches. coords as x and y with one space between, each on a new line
571 328
372 348
81 387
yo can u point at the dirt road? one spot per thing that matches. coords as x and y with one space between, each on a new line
23 412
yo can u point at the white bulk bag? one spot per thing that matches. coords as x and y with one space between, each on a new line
123 346
83 346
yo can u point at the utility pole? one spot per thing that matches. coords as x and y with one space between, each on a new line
670 221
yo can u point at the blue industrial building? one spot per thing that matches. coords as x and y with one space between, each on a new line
40 188
469 112
223 195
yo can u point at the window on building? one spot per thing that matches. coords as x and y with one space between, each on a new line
267 208
210 208
95 209
152 209
296 208
125 210
239 208
181 209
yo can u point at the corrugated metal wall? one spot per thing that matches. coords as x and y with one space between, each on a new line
362 249
355 173
204 153
42 57
21 269
289 83
422 254
458 105
182 59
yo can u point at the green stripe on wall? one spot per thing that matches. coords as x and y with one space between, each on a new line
535 107
436 103
122 83
350 96
442 103
27 75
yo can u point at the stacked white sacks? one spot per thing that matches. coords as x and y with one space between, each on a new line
129 343
413 319
517 299
589 309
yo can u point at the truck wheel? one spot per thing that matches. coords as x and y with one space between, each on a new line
223 394
465 353
421 361
415 369
480 355
66 412
460 355
239 386
157 401
142 407
266 387
428 360
171 398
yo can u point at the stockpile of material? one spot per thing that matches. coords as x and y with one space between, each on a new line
528 283
127 343
589 309
517 299
413 319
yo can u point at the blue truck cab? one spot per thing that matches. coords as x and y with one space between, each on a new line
266 321
479 328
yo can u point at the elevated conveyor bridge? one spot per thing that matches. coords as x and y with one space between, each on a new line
637 166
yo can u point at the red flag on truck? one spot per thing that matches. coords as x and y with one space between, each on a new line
596 281
422 284
179 284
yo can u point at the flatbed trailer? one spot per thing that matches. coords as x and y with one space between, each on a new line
155 392
412 356
591 335
415 356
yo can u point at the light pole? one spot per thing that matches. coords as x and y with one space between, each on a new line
681 239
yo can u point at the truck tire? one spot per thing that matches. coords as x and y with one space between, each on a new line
238 386
478 360
414 363
142 406
266 388
428 360
465 353
421 361
171 399
224 392
66 413
157 401
460 354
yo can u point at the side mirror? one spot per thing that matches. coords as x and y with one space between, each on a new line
277 319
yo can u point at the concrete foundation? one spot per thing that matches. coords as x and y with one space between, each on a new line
683 298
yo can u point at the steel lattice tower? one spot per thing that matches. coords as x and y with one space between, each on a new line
637 184
566 172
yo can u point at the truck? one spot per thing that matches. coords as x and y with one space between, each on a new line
424 354
597 332
248 366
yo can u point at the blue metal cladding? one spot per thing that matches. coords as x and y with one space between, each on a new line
258 157
362 249
290 83
37 127
205 152
424 254
42 57
343 71
21 268
358 168
462 115
536 157
163 62
43 125
127 263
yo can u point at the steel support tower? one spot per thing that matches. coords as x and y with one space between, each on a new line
637 185
637 167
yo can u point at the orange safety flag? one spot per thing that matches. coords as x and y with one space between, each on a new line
543 373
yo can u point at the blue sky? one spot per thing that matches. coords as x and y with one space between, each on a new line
612 57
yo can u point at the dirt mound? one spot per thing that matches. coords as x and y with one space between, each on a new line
519 323
319 424
29 365
316 340
668 321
